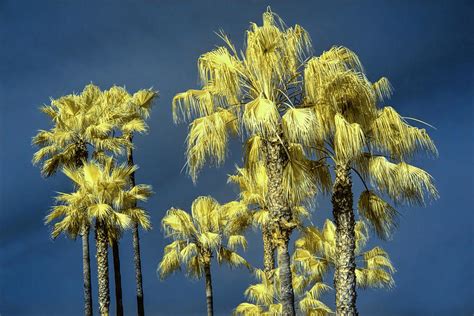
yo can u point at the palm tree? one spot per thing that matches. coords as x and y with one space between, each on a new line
262 91
199 237
253 186
355 135
316 250
313 259
78 120
102 195
132 110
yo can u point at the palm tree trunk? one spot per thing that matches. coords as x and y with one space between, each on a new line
138 270
117 279
136 241
209 300
102 268
80 156
281 216
268 250
86 271
344 276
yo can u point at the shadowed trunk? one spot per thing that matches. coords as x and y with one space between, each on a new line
86 271
102 268
207 273
344 276
117 279
280 214
136 242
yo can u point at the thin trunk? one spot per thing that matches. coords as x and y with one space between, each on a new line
102 268
117 279
86 271
281 225
81 155
344 276
138 270
207 273
136 242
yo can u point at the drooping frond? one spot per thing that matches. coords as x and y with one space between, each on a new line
404 183
261 116
395 137
219 71
299 182
381 216
349 139
376 271
207 139
299 125
171 259
383 89
191 103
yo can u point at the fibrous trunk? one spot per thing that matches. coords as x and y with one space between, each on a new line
86 271
344 276
281 220
136 242
102 268
268 250
117 278
209 298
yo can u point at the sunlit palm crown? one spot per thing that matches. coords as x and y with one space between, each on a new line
103 193
320 108
89 119
208 231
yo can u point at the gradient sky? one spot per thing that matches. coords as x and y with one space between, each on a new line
52 48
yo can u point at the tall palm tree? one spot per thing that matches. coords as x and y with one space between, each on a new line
102 195
199 237
356 135
78 120
132 110
260 90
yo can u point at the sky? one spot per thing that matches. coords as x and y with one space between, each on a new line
52 48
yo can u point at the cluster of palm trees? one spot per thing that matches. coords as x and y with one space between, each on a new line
299 116
105 195
308 124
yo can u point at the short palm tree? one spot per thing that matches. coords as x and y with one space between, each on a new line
253 186
315 253
78 120
356 135
260 89
263 298
197 238
132 110
102 195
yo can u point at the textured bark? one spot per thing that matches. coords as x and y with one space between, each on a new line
268 250
209 297
344 276
281 220
117 279
138 270
102 268
86 271
136 243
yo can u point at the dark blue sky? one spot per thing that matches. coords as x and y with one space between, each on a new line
51 48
